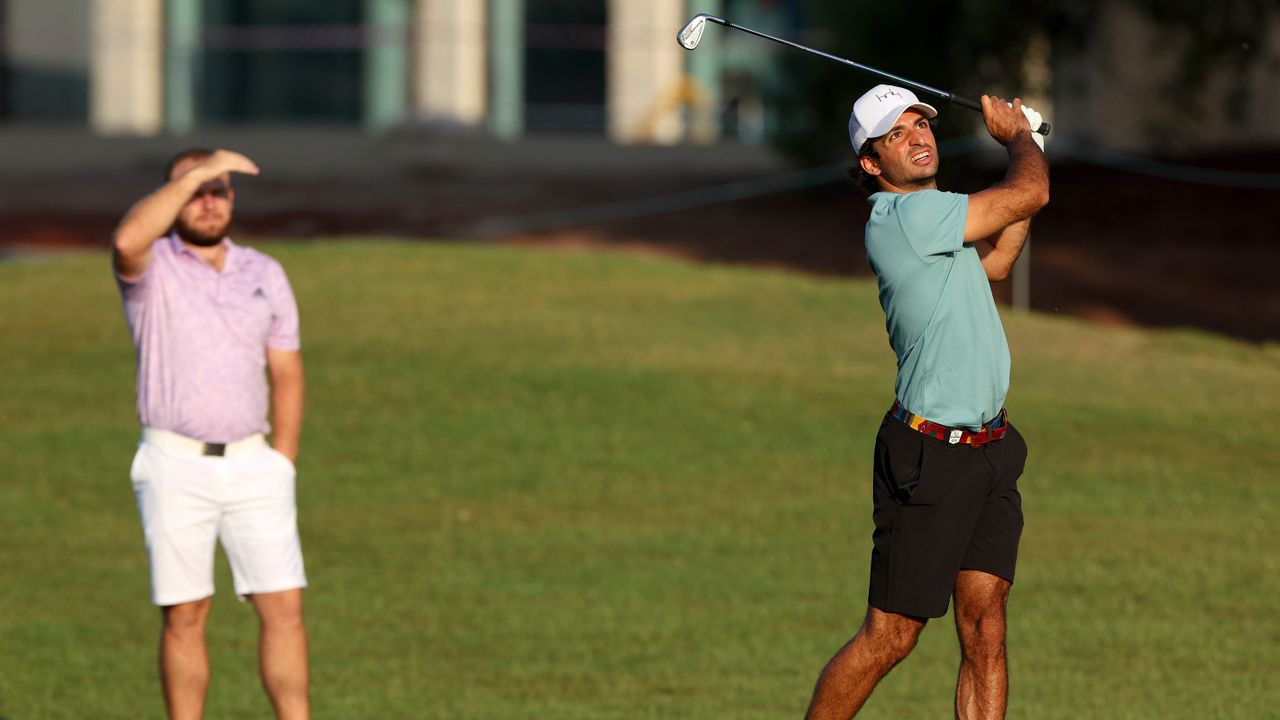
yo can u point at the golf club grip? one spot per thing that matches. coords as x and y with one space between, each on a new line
975 105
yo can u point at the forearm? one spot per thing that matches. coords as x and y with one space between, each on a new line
287 400
1005 248
1028 174
1014 200
150 218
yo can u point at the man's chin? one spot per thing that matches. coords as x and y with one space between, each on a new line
200 239
924 180
928 172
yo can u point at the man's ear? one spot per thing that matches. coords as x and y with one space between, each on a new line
869 165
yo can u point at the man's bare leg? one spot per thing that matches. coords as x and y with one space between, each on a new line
184 658
848 679
282 653
982 690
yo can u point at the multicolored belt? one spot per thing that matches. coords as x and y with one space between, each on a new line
990 432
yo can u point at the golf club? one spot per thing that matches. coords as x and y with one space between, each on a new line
691 34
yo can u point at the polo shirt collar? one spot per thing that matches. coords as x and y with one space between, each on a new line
233 251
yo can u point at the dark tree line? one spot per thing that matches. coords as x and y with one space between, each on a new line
972 47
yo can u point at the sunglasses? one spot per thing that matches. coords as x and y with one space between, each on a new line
214 189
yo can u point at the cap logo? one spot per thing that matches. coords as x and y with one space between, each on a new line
887 94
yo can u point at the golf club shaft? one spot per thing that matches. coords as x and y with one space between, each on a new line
949 97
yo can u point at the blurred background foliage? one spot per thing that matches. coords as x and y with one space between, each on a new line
973 47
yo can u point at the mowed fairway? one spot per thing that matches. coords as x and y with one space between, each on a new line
563 485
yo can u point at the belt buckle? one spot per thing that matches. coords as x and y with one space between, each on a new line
214 449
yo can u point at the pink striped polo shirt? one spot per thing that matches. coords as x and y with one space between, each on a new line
201 338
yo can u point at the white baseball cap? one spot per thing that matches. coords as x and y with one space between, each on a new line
875 113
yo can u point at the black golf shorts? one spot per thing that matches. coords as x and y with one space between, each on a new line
940 509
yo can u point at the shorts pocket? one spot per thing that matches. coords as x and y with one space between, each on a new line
137 470
899 463
925 486
284 461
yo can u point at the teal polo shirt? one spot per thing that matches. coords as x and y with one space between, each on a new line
953 359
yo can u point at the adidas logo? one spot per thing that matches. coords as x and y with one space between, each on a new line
259 294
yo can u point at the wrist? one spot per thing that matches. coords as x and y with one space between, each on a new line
190 181
1021 141
287 449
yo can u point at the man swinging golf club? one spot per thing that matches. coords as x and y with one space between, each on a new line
946 507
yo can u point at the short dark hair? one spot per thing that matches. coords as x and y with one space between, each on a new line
868 182
191 153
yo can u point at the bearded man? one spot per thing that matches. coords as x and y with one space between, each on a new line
211 320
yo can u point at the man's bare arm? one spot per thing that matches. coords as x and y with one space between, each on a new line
1025 187
287 392
153 215
999 253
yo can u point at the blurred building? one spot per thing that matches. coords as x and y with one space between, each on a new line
515 67
144 67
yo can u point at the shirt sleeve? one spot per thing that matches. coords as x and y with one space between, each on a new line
284 333
133 288
933 221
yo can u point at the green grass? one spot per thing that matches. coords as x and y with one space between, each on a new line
562 485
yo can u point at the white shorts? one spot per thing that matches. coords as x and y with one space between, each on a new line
189 501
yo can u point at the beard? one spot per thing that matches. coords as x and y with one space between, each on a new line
911 182
201 238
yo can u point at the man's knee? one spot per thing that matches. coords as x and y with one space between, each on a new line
981 627
982 637
186 618
893 635
280 610
981 600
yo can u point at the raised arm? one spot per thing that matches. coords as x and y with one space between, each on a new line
1025 187
999 253
154 214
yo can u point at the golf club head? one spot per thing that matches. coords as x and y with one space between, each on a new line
691 34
